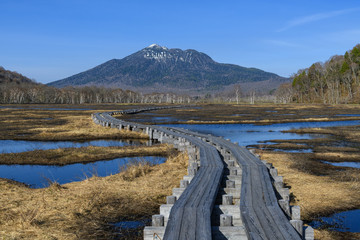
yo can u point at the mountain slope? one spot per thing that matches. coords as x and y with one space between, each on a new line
9 77
162 69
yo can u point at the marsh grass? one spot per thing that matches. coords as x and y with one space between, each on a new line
320 189
255 114
86 209
64 156
29 124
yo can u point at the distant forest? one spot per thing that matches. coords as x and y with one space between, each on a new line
335 81
16 88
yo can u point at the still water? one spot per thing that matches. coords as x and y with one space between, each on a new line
344 164
16 146
348 221
38 176
250 134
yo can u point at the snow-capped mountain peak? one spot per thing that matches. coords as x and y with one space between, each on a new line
157 46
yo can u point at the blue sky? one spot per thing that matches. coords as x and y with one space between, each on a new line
52 39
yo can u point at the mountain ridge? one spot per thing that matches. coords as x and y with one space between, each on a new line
12 77
162 69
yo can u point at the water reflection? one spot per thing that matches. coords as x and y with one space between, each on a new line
344 164
16 146
294 150
347 221
39 176
249 134
123 225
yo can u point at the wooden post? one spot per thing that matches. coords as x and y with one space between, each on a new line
231 163
309 233
170 199
278 182
298 225
227 200
273 172
230 184
184 183
225 220
284 193
295 213
233 172
157 220
285 206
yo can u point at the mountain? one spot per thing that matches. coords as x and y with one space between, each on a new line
157 68
9 77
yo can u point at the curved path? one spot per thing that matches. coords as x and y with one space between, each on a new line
229 193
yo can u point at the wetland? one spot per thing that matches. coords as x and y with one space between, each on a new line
309 145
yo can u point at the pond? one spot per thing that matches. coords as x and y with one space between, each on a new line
348 221
130 229
344 164
16 146
123 225
250 134
38 176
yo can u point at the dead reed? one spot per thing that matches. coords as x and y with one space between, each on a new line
84 210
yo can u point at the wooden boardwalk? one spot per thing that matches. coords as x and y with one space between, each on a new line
229 193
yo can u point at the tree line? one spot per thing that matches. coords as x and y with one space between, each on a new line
38 93
333 82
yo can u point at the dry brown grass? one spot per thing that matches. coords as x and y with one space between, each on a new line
257 114
317 195
285 145
23 124
82 210
348 133
63 156
331 235
338 156
270 121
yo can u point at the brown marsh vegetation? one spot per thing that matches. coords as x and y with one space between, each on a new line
320 189
64 156
84 210
58 125
257 114
80 210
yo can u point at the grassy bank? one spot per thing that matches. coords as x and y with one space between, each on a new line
320 189
250 114
63 156
83 210
56 125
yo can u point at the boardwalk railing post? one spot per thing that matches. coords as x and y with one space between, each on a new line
225 220
295 213
227 199
298 225
309 233
170 199
157 220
